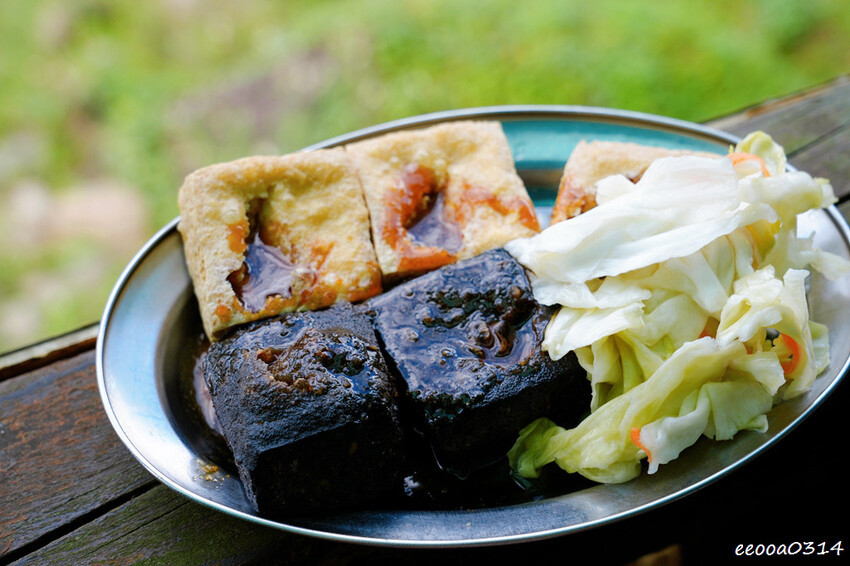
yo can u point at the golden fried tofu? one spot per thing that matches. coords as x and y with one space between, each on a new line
265 235
593 161
440 194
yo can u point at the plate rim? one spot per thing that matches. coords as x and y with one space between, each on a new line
501 113
539 111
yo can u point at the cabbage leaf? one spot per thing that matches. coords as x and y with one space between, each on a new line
683 297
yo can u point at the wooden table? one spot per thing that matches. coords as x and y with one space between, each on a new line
71 493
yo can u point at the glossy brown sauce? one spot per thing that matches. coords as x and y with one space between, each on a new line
425 228
451 321
336 350
435 227
265 272
416 223
499 342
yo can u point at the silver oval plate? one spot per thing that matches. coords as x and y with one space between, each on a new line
150 323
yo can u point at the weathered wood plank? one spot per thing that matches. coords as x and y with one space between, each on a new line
162 527
829 157
795 121
43 353
60 459
775 498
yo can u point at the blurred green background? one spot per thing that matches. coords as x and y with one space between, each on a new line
105 105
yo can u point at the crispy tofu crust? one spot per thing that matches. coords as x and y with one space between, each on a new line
305 210
593 161
460 176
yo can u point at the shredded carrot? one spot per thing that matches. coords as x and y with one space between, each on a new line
635 437
710 328
739 156
789 364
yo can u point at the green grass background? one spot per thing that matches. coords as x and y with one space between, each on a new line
142 93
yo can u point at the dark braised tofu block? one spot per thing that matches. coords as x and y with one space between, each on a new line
466 340
308 409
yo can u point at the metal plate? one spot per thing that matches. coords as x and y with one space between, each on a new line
149 318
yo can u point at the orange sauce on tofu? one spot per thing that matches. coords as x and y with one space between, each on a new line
223 312
271 280
418 200
424 226
473 197
570 202
237 236
359 293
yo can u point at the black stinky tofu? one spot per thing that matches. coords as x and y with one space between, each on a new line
466 341
309 410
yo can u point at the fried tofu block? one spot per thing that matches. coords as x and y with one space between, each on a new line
308 409
440 194
593 161
465 339
265 235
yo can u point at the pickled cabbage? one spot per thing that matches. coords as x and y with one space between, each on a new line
683 297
